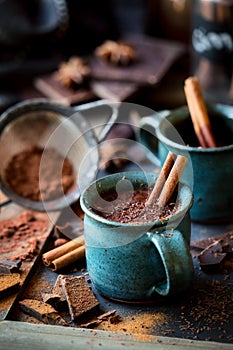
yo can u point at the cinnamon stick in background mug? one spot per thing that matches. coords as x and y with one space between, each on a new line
198 112
210 170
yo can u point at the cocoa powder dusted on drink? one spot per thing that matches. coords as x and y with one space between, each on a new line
39 174
131 208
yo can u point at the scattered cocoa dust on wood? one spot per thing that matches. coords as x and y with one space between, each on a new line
208 310
6 303
20 236
142 325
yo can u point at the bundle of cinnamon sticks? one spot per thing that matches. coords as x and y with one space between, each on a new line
198 112
65 255
168 179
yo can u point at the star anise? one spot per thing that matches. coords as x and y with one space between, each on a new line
117 53
73 73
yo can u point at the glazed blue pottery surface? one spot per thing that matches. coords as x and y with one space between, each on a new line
210 170
132 262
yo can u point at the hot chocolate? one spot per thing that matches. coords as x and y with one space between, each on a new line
131 208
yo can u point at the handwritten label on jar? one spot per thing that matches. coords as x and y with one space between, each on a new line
213 40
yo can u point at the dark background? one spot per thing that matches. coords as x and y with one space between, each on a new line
36 35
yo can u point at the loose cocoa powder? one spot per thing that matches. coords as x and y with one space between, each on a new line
19 236
38 180
131 207
141 324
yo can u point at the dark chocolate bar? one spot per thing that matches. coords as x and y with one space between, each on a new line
9 266
9 284
42 312
79 296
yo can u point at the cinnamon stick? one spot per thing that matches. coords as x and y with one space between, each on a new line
68 258
198 112
192 109
49 257
166 168
167 180
172 180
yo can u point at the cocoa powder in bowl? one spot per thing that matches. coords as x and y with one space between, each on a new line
39 174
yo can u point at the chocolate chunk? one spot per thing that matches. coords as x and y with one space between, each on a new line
91 324
42 312
51 299
79 296
226 240
115 91
9 284
106 315
227 243
58 289
8 266
109 315
212 255
148 69
57 298
51 88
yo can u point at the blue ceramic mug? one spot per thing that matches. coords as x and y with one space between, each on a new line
132 262
210 170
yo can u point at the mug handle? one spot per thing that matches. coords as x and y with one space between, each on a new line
174 252
151 143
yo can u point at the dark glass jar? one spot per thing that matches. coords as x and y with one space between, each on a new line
212 48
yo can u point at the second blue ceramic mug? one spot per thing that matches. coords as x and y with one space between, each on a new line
129 261
210 170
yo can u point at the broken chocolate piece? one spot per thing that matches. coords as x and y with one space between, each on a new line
79 296
226 240
227 243
9 266
114 90
51 88
42 312
147 69
109 315
106 315
91 324
9 284
58 291
212 255
51 299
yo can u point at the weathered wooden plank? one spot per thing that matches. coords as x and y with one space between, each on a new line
25 336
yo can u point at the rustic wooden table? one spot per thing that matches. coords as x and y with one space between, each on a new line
200 318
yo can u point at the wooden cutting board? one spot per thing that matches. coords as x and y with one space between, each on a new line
12 211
